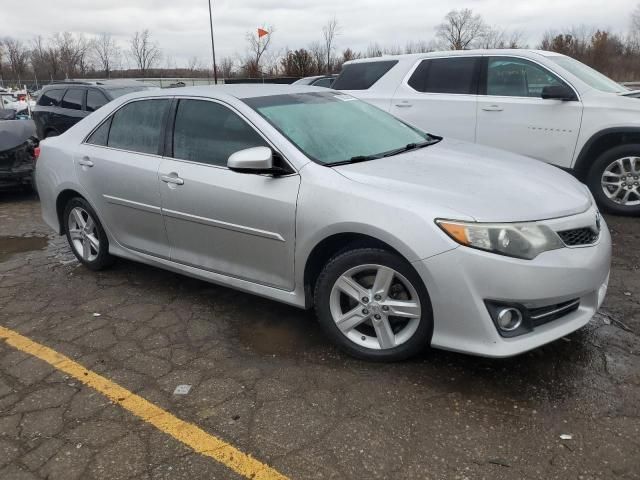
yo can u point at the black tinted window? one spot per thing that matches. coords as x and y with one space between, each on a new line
207 132
73 99
100 135
516 77
95 100
51 98
360 76
137 126
446 75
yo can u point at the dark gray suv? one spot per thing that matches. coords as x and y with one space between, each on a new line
62 105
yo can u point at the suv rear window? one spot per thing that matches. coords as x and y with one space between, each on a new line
51 98
361 76
446 75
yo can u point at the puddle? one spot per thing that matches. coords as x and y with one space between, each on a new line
280 331
9 246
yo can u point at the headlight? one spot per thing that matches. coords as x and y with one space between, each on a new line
520 240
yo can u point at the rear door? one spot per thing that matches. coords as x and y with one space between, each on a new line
71 108
439 96
513 116
236 224
118 168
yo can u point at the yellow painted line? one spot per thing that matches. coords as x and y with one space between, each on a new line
189 434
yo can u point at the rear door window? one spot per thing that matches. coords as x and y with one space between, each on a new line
51 98
361 76
137 126
73 99
447 75
95 100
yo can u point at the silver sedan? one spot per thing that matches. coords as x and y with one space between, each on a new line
399 239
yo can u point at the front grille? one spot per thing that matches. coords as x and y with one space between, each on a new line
579 236
542 315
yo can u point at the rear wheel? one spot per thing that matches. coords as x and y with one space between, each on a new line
614 180
85 235
373 305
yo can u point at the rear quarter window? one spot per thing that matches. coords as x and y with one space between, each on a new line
361 76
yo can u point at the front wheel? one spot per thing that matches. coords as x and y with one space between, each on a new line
614 180
373 305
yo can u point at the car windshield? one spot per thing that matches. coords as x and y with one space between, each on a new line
334 128
588 75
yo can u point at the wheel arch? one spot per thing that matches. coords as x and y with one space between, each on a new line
61 202
331 246
599 143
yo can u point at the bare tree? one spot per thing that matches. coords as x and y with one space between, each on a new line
374 50
193 65
460 29
329 32
226 67
420 46
257 46
145 52
106 53
317 52
18 56
495 37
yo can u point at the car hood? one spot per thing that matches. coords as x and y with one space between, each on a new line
486 184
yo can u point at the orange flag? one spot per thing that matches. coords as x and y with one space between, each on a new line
262 33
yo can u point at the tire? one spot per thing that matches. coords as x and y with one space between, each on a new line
85 235
607 167
371 331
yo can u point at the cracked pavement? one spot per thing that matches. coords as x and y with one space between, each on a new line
265 379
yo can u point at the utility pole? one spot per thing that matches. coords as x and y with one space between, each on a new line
213 48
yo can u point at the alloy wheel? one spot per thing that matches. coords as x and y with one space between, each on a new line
375 307
83 233
621 181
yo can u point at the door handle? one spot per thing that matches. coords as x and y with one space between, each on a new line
172 178
492 108
403 105
85 162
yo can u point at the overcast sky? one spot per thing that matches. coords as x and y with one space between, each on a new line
181 27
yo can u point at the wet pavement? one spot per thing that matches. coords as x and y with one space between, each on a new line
265 379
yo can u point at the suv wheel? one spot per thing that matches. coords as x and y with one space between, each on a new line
85 235
373 305
614 180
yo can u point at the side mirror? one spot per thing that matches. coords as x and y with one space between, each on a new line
254 160
558 92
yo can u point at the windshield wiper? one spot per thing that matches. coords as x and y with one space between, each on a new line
390 153
409 146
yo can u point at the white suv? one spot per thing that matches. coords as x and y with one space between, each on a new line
540 104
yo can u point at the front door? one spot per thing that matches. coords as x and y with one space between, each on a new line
236 224
118 168
513 115
440 97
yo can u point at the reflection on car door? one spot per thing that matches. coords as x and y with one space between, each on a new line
118 168
236 224
440 97
513 115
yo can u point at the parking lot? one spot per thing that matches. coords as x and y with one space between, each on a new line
265 380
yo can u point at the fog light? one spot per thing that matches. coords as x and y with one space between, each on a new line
509 319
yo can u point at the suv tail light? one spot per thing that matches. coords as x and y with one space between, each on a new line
36 153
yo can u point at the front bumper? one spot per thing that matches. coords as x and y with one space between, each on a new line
460 280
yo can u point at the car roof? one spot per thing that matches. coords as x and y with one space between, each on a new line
454 53
239 91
